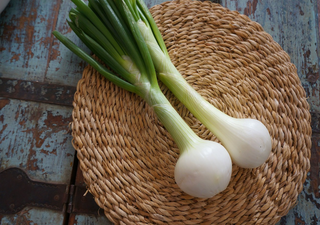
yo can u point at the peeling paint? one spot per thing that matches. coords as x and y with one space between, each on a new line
268 11
30 216
300 9
26 41
88 220
47 152
251 7
29 140
3 103
313 74
37 91
35 137
15 57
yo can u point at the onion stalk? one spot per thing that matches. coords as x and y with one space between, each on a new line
247 140
109 29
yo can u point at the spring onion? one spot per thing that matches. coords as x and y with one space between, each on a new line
247 140
109 29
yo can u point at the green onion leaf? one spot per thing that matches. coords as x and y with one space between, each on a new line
97 8
85 10
141 44
96 65
132 4
142 6
107 58
85 25
126 37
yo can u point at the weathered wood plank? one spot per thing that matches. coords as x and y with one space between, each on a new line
35 138
25 28
64 67
89 220
28 50
33 216
37 91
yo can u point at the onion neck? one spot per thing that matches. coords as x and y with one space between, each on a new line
181 133
209 115
171 77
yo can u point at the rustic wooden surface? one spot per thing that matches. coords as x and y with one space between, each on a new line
38 77
34 131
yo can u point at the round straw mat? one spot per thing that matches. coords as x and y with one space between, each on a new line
128 158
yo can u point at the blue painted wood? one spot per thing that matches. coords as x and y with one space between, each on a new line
28 50
90 220
33 216
35 138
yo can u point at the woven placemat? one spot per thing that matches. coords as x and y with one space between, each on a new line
128 158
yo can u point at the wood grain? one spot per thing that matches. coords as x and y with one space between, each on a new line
35 137
28 50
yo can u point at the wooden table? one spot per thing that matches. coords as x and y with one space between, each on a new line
38 77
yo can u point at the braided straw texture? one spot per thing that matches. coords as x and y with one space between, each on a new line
128 158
